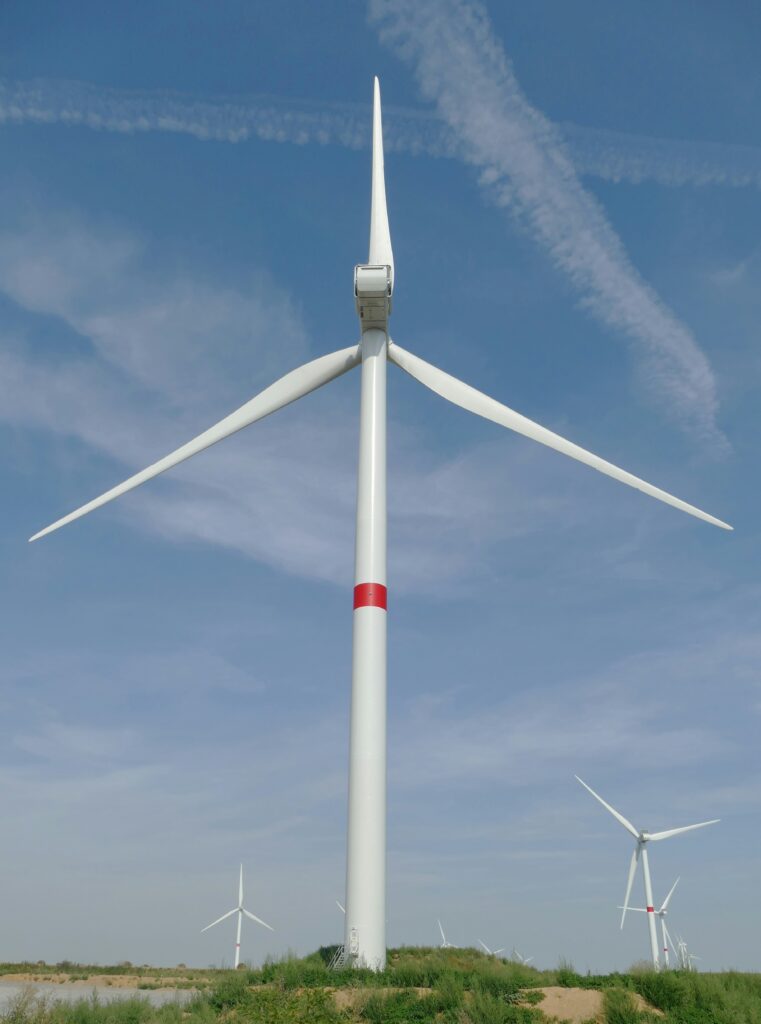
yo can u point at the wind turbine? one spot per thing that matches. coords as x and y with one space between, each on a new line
444 943
668 943
240 910
492 952
365 927
525 960
643 837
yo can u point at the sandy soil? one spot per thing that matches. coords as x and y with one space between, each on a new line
577 1005
571 1004
349 998
96 980
574 1005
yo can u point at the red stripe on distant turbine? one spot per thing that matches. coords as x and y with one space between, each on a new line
651 910
370 595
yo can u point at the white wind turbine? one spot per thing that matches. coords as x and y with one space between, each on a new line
643 837
492 952
365 929
444 943
668 942
240 910
525 960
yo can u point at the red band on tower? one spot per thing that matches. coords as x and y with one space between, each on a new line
370 595
651 910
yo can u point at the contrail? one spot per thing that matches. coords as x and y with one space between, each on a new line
616 156
612 156
526 168
231 119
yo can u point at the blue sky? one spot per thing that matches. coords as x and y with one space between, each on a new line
575 210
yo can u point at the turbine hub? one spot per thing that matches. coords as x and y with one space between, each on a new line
372 293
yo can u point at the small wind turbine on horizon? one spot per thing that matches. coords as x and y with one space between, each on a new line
668 942
492 952
444 943
365 925
643 837
525 960
685 957
240 910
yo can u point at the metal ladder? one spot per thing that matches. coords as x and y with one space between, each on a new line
344 957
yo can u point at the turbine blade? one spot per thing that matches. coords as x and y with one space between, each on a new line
340 906
665 904
629 882
292 386
443 936
380 235
655 836
257 919
496 951
619 817
485 947
222 918
636 910
474 401
240 888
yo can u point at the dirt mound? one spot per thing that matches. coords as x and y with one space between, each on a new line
578 1005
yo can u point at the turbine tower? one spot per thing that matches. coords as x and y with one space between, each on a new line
240 910
643 837
365 930
668 943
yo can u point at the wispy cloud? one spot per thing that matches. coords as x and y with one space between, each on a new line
526 168
600 153
141 376
618 156
219 119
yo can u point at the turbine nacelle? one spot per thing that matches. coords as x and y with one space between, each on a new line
373 284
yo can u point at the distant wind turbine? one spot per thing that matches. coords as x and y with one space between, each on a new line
365 926
444 943
668 943
240 910
643 837
492 952
525 960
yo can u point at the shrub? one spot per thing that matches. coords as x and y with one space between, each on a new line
619 1007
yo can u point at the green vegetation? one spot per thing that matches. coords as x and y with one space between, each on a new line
419 986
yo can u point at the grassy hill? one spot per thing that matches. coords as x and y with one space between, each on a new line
419 985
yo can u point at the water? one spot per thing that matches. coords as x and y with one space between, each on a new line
10 990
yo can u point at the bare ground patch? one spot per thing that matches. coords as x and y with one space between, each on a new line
578 1005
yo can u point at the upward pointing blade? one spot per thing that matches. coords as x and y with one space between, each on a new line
619 817
240 888
292 386
481 405
380 235
665 904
